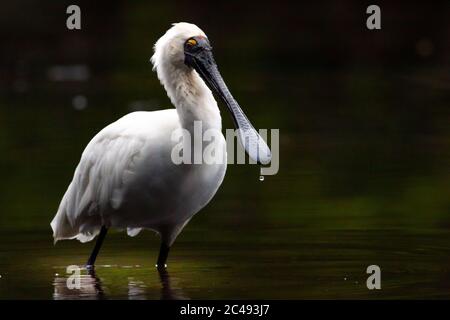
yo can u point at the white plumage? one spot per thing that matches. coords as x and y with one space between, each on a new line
126 179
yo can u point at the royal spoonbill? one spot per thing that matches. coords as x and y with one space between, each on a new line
126 177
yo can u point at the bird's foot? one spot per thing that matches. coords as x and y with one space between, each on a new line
162 266
90 268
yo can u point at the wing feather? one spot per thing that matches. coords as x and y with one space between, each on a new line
106 166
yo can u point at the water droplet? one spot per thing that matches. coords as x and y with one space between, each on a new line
261 178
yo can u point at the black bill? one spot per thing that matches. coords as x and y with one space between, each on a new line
198 54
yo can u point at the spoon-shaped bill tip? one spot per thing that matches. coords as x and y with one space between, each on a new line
255 146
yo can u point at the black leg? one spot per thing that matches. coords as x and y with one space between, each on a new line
166 291
162 257
99 293
90 263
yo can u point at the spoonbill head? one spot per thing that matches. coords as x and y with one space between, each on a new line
126 177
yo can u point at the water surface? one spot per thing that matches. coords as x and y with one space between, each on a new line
364 151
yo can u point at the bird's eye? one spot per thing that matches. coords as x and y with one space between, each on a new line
191 42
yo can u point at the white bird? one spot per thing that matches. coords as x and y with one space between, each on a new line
126 177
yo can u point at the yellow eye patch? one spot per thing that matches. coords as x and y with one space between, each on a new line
192 42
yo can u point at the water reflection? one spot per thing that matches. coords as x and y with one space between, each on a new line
92 288
167 292
136 289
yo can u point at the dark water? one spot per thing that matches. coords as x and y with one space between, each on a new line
364 152
277 263
305 233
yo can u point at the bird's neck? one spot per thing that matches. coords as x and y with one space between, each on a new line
193 100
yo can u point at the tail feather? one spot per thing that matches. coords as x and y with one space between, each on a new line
68 226
62 228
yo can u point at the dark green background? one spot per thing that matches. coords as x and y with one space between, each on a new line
364 148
